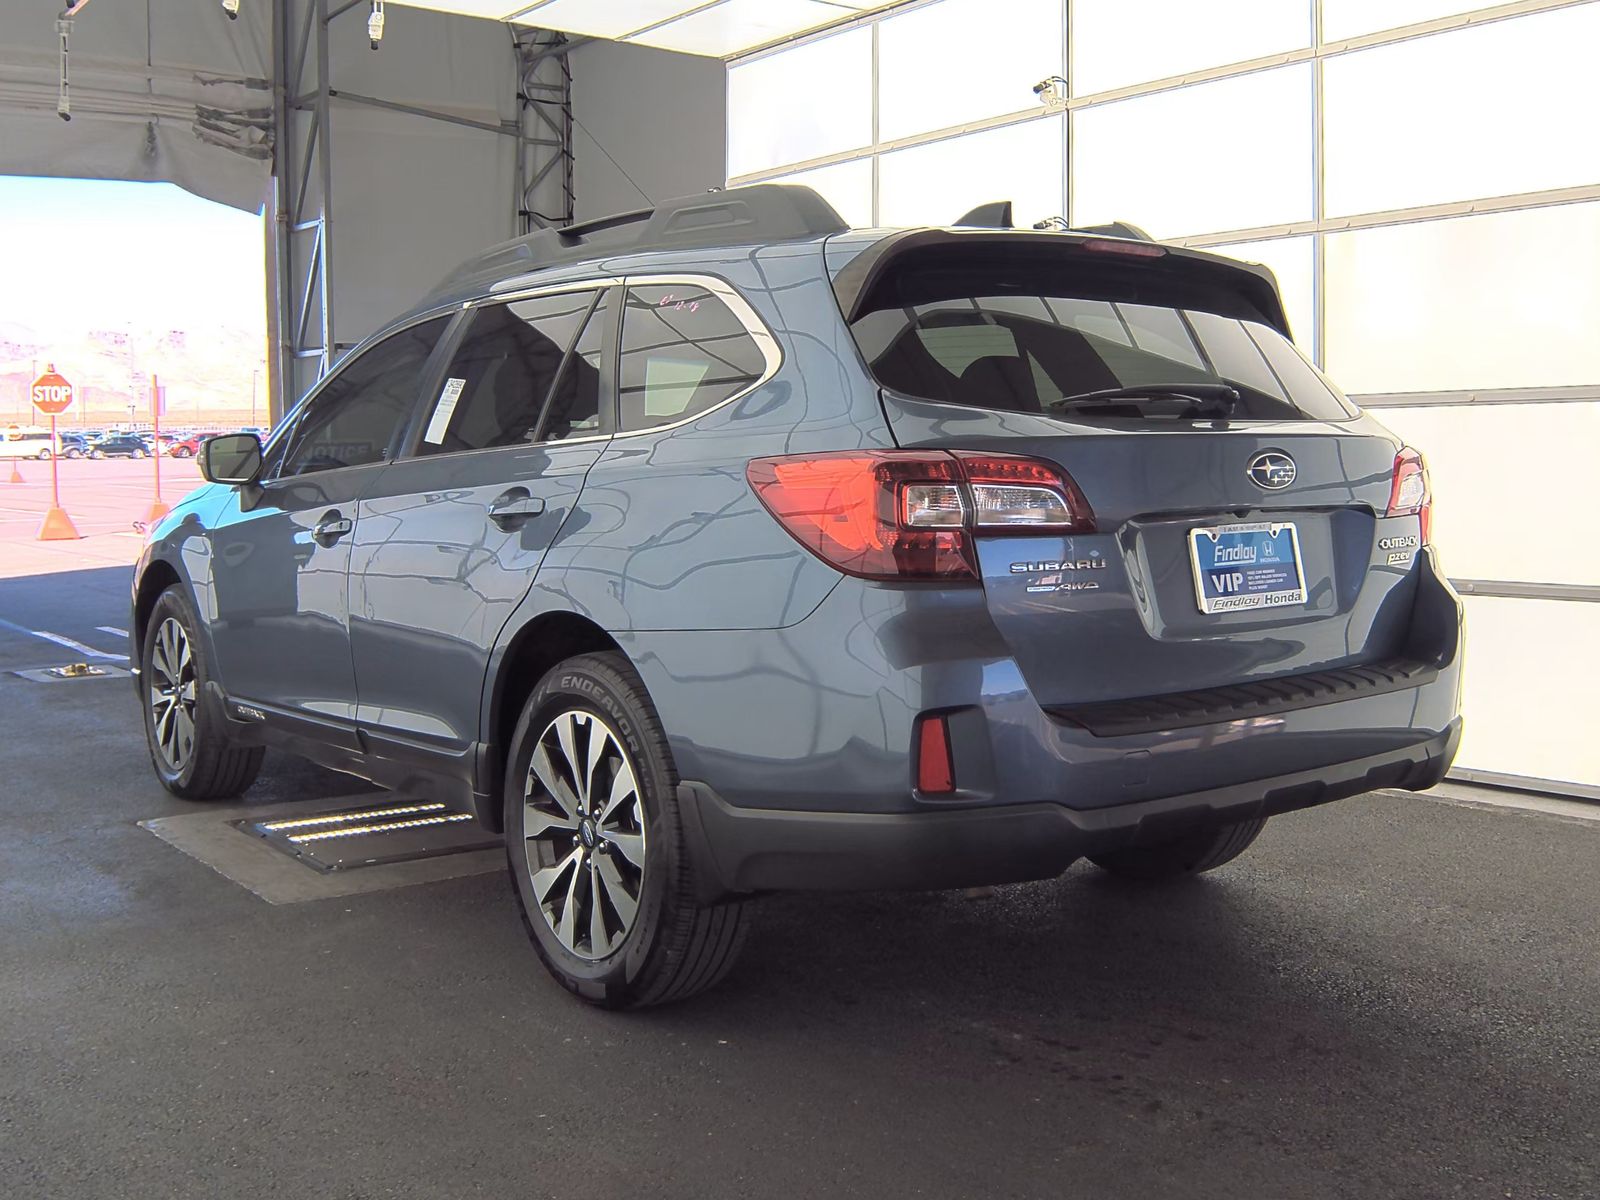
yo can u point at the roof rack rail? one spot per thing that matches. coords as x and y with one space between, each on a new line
760 213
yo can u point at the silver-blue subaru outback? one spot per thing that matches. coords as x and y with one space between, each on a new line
721 548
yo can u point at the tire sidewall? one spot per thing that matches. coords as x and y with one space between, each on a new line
577 685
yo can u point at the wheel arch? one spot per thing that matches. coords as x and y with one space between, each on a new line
158 576
527 654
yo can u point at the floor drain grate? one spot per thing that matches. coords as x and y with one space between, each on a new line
368 837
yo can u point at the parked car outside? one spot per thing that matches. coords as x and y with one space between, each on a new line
189 445
120 445
790 556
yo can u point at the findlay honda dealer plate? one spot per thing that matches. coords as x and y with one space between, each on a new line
1246 566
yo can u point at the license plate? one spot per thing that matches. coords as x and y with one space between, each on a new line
1247 566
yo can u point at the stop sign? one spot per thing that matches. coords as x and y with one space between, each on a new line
51 393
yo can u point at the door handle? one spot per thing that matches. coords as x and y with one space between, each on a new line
512 508
332 527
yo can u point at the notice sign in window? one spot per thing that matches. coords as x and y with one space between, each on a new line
444 410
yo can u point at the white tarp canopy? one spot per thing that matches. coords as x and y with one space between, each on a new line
161 90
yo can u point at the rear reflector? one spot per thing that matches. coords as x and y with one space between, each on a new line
912 514
936 772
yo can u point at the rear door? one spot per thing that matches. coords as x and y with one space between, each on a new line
450 538
280 550
1237 537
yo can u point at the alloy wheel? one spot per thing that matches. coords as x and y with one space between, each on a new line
173 692
584 833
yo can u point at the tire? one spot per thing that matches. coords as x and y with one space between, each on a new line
97 454
671 946
43 456
141 454
183 452
1203 850
73 454
189 746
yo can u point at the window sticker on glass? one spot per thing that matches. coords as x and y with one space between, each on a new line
444 410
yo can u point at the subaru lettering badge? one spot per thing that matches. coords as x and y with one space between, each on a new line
1271 469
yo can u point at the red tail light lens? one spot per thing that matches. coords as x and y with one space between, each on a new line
1409 492
911 514
936 772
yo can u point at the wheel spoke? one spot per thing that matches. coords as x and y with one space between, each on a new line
536 821
567 930
567 734
185 735
622 786
631 845
544 771
599 937
623 902
546 879
599 739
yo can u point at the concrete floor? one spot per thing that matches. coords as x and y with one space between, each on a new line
1389 997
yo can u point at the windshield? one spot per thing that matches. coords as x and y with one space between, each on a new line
1058 354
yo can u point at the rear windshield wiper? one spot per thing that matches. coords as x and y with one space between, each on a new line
1223 395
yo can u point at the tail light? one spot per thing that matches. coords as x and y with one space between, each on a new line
1409 493
912 514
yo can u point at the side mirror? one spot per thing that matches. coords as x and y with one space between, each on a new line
234 458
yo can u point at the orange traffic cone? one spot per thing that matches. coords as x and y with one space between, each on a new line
57 526
158 509
16 475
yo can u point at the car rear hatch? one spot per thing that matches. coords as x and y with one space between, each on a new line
1238 500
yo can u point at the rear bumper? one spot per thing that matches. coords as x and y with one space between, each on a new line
749 850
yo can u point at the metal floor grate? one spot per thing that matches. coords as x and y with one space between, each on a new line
374 835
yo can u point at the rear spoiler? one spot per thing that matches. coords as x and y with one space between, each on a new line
856 282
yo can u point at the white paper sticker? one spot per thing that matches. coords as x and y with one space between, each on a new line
444 410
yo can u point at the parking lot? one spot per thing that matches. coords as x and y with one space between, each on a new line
1393 996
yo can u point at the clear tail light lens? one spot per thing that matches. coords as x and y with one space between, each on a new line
912 514
1409 491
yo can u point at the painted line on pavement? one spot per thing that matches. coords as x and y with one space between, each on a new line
76 647
113 630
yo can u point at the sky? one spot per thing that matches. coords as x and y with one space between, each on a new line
76 253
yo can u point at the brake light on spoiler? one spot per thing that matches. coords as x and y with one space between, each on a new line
912 514
1409 491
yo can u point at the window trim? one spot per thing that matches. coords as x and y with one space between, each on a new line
744 312
457 334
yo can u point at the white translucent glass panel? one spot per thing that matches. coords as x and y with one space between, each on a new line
1234 154
609 20
736 25
1485 111
939 182
1351 18
1480 457
1495 301
1290 259
1122 42
798 104
846 186
963 60
1529 695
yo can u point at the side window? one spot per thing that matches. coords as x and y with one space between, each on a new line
574 409
502 373
683 351
354 418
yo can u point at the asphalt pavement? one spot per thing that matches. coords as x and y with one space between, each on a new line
1387 997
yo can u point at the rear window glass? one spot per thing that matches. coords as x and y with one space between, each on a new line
994 345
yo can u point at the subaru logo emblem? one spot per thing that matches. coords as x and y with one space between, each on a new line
1271 469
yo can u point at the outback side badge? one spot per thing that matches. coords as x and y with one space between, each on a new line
1271 469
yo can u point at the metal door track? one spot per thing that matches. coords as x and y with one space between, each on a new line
371 836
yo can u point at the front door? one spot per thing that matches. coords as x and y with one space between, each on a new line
449 540
281 549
